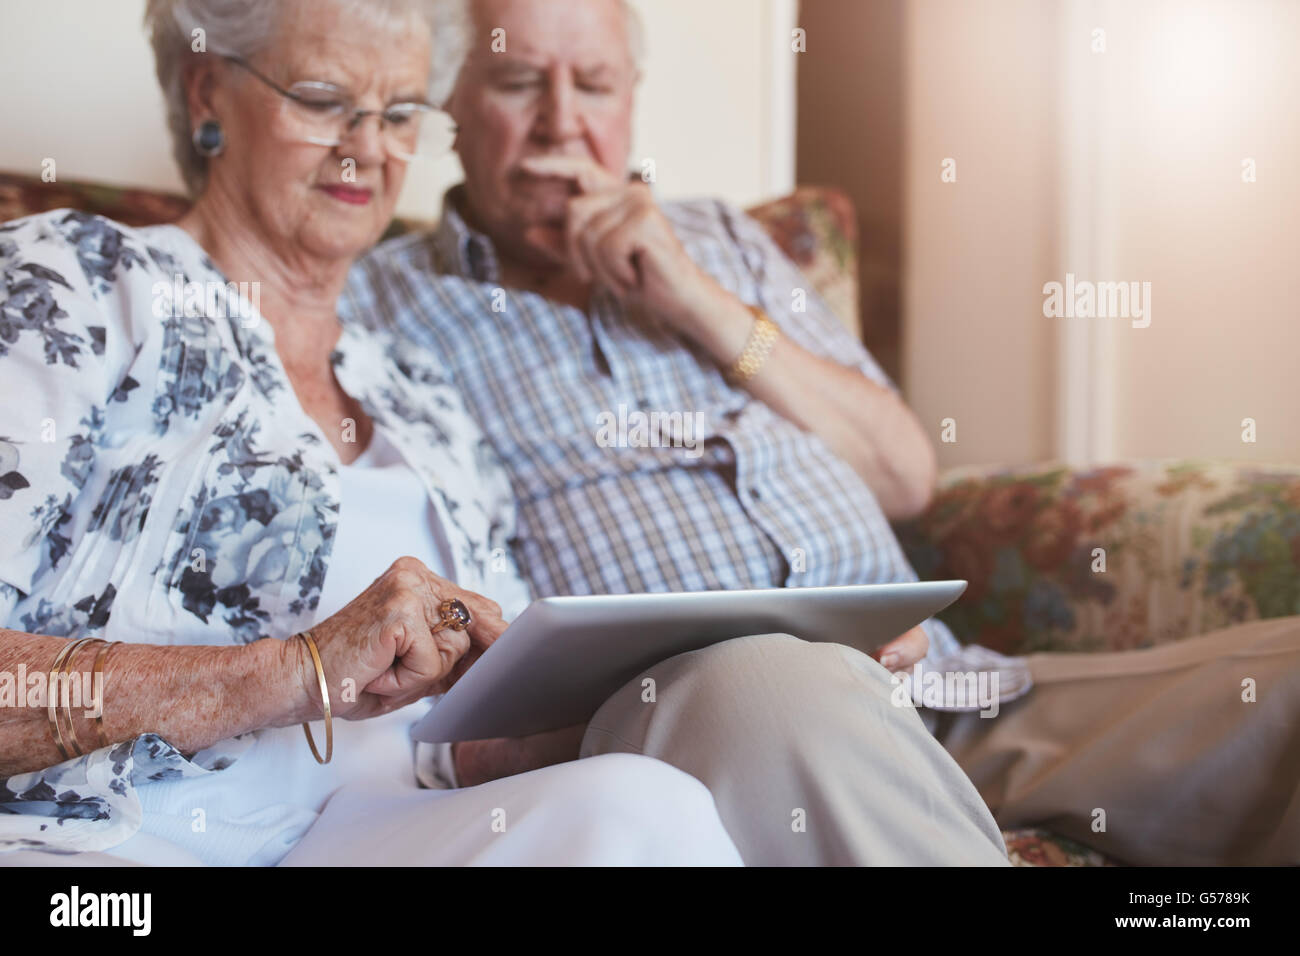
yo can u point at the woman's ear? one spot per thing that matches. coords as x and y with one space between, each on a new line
200 77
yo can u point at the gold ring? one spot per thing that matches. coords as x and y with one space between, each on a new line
454 615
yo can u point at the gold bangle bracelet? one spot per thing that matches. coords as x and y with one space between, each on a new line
325 699
63 657
64 674
762 338
98 678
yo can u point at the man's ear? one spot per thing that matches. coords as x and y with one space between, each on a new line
454 106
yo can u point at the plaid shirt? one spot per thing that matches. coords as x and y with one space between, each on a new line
757 502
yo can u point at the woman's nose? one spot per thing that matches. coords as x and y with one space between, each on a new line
365 140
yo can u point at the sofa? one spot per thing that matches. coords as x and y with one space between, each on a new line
1118 557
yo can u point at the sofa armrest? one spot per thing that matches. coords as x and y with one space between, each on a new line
1112 558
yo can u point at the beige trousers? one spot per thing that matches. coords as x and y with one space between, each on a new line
808 760
1184 754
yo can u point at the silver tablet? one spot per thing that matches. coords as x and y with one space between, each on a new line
558 661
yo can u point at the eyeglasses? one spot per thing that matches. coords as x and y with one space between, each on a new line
324 114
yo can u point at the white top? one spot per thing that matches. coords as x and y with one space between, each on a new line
384 513
189 499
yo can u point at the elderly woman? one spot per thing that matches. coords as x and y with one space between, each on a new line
230 519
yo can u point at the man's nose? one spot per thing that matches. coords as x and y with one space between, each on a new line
561 117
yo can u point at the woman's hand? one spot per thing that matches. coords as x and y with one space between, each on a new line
387 648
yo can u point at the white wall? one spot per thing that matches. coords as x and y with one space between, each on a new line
1122 165
77 85
1199 86
977 251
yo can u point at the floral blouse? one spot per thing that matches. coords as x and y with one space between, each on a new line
160 483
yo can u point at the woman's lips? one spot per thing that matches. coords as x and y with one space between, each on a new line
348 194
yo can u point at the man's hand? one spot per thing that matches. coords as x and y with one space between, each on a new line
904 651
615 235
478 761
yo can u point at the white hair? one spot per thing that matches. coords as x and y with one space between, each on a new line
456 13
244 27
635 34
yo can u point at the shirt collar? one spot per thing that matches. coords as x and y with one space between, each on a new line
461 250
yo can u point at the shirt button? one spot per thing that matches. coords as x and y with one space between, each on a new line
754 493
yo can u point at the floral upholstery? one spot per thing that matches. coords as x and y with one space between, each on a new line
24 195
816 227
1040 848
1112 558
1188 546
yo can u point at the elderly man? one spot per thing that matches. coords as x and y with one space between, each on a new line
561 295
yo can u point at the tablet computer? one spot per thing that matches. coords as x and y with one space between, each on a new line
563 656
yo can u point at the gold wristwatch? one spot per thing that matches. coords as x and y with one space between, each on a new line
762 337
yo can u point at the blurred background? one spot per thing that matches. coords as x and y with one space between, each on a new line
1117 140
